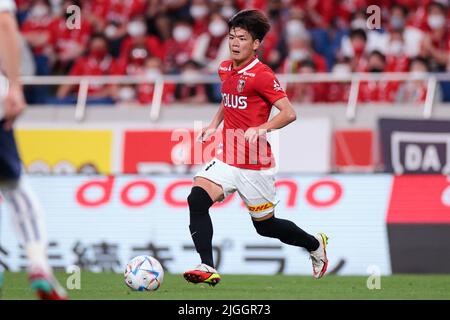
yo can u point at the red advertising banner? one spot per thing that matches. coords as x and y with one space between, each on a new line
146 148
421 199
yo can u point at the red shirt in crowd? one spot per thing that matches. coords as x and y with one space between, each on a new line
41 26
64 39
92 66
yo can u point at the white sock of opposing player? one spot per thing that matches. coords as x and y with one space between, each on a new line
29 222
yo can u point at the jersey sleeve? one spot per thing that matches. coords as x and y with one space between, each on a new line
7 5
224 68
268 87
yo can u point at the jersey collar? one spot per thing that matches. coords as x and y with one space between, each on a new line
248 66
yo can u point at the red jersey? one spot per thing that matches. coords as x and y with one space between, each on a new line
248 94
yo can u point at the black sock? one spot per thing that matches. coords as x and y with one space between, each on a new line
200 224
287 232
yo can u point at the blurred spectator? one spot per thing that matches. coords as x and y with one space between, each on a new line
339 91
356 50
436 43
69 44
190 92
410 35
113 17
137 35
377 91
307 92
199 11
299 48
97 62
153 67
228 9
396 58
415 91
211 47
179 48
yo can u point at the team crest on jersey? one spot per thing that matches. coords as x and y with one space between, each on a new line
240 86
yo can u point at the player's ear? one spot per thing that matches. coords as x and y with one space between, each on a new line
256 44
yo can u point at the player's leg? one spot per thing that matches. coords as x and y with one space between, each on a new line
284 230
259 194
288 232
203 195
27 218
211 184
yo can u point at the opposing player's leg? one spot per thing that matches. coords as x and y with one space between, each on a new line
27 217
213 183
29 224
259 194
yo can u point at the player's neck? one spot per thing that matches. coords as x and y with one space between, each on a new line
240 63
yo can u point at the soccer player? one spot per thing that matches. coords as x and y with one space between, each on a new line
249 90
16 194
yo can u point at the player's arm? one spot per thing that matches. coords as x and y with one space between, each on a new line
212 127
14 102
286 115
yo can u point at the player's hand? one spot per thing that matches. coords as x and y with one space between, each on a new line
206 134
251 134
14 104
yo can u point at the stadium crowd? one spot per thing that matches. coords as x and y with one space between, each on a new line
137 37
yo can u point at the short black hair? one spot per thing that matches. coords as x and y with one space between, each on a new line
439 5
378 54
421 60
402 8
358 33
253 21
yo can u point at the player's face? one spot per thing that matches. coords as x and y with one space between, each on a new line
242 46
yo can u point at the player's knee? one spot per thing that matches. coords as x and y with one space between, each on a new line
265 228
199 200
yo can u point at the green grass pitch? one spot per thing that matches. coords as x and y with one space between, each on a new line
96 286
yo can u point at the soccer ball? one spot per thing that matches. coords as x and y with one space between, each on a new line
144 273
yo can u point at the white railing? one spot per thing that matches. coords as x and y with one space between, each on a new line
155 107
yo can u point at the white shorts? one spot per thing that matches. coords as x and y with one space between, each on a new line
256 187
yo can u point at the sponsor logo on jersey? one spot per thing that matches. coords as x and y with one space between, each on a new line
225 68
245 73
260 207
276 86
240 86
234 101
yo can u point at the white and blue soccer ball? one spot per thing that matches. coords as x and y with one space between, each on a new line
144 273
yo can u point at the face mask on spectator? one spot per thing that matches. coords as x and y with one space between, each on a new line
182 33
39 11
294 28
395 48
110 31
358 49
198 11
298 54
136 28
126 94
436 21
152 72
397 23
217 28
418 74
227 12
189 74
359 23
99 53
341 69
